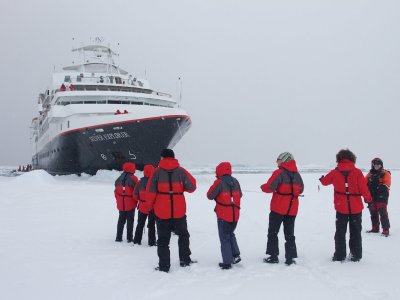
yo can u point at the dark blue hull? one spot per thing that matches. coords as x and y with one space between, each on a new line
108 146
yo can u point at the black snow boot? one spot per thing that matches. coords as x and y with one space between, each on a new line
225 266
290 261
187 263
161 269
336 258
273 259
236 259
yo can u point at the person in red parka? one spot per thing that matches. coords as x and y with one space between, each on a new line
286 185
164 194
349 185
126 203
140 194
227 194
379 181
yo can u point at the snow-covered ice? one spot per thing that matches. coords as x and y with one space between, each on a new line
57 242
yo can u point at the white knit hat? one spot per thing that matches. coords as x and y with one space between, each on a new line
285 157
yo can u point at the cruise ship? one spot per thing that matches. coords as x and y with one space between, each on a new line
98 116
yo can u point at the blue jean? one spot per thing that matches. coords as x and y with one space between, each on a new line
229 246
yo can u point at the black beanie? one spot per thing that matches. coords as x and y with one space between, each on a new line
167 153
377 161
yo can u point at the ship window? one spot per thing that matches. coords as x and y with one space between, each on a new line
136 103
68 124
67 78
113 102
124 102
102 102
90 102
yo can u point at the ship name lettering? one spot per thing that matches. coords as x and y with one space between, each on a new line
109 136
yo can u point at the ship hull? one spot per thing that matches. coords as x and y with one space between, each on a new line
108 146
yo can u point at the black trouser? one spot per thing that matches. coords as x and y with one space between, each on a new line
229 246
128 217
379 210
150 225
355 242
275 221
164 229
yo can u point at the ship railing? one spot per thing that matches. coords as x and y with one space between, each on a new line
108 83
109 79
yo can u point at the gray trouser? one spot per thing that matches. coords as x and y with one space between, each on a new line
229 246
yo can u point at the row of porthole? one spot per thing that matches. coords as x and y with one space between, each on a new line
52 152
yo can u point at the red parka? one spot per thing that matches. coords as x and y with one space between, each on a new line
357 187
165 189
286 185
124 186
227 193
140 189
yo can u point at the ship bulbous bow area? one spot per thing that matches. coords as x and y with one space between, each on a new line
108 146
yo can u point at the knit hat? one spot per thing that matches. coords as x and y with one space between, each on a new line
285 157
377 161
167 153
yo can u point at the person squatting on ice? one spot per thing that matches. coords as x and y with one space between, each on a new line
286 185
140 194
164 193
126 203
379 181
227 194
349 185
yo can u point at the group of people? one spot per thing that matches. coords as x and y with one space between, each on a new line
159 196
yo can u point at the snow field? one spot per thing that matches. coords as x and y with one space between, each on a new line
57 242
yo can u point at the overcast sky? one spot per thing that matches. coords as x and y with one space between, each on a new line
259 77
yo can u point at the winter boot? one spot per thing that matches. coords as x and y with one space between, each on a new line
273 259
290 261
161 269
118 239
225 266
354 258
336 258
374 229
187 263
236 259
385 232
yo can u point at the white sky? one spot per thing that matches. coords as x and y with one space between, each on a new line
259 77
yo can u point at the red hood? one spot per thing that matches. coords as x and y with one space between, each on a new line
168 163
148 170
346 165
290 166
129 167
223 168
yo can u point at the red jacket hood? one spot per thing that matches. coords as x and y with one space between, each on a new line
168 163
129 167
346 165
223 168
148 170
290 166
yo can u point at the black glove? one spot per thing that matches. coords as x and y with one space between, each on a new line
321 177
370 205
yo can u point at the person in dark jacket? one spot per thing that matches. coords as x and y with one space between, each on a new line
126 203
379 181
349 185
286 185
140 194
227 194
164 194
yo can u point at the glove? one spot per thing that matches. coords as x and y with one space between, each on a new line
321 177
370 205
